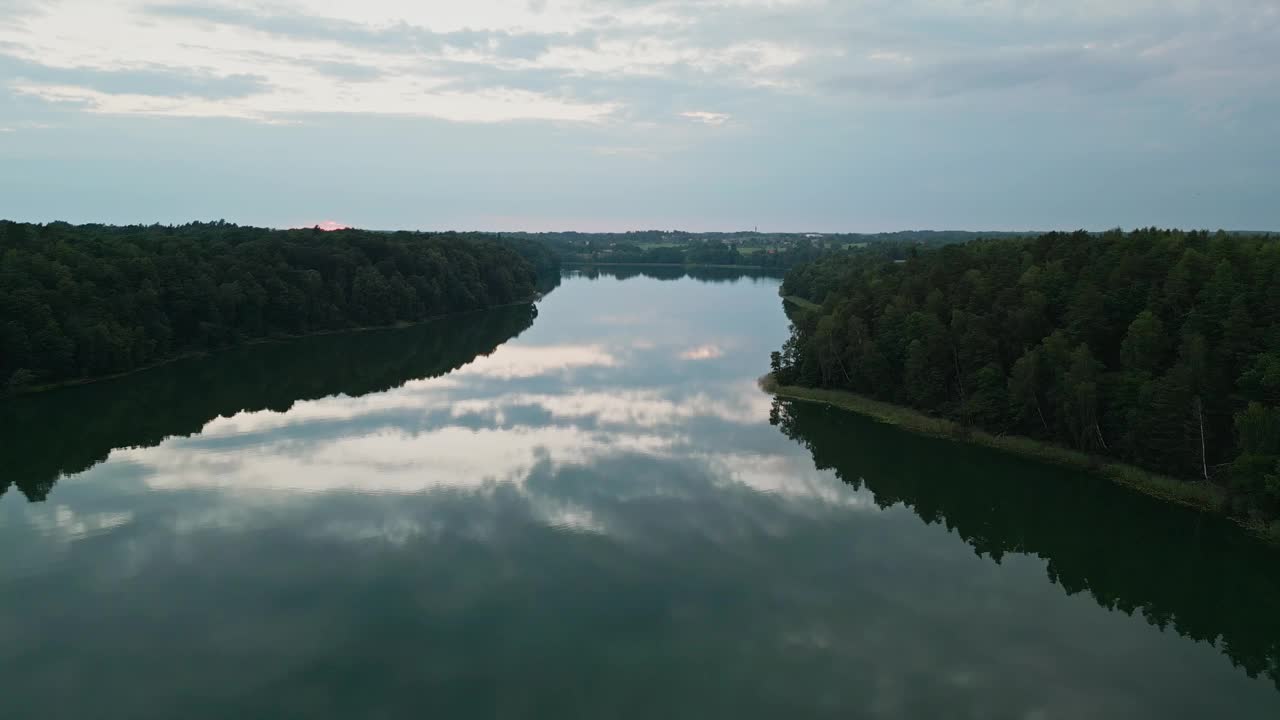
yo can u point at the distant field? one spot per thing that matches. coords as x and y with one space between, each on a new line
654 246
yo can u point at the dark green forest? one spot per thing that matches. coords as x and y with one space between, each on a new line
91 300
1160 348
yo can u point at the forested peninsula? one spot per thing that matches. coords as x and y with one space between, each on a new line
84 301
1155 348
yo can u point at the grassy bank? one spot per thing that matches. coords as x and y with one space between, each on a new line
1198 495
801 303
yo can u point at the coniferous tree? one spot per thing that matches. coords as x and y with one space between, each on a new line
1158 347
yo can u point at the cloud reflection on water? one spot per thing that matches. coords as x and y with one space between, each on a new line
555 509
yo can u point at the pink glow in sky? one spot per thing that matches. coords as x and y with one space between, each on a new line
328 226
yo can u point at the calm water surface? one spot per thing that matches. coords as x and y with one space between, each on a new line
588 513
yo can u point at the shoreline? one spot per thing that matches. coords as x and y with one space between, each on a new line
1195 495
801 303
192 354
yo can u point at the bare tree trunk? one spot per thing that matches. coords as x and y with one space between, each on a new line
831 343
1204 460
1097 428
1041 414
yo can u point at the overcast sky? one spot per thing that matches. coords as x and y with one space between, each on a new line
804 115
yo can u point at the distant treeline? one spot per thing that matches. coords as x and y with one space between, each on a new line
740 249
706 252
673 272
752 238
91 300
1158 347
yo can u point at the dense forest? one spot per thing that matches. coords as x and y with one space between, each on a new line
48 435
1158 347
91 300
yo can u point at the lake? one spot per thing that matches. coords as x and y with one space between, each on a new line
586 510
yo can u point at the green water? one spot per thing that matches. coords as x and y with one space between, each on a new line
588 513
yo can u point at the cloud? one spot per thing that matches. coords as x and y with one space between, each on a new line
624 61
392 98
1074 69
225 61
145 79
702 352
705 117
526 361
394 36
346 71
65 525
448 433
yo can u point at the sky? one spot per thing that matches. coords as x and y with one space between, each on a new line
610 115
